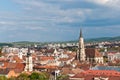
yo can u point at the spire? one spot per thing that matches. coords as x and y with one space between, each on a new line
81 56
29 64
28 53
81 33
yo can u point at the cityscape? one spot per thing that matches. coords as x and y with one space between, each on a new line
61 61
59 40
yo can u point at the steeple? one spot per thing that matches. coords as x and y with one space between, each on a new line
81 33
29 64
28 53
81 56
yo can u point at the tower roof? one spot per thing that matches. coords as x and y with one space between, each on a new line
81 33
28 53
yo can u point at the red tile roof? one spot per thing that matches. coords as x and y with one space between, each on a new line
49 50
103 72
4 71
64 59
71 70
91 52
17 67
43 58
90 74
17 59
46 67
66 71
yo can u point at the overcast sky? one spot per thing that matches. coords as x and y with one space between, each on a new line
58 20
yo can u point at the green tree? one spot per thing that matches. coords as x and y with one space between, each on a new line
33 76
47 75
38 76
63 77
12 78
23 76
3 78
1 52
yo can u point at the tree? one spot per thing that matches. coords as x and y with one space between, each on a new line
1 52
23 76
33 76
12 78
63 77
38 76
46 74
3 78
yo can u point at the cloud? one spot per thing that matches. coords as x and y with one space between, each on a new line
44 13
100 1
58 19
36 28
107 3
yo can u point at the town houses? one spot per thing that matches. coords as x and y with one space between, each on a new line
78 64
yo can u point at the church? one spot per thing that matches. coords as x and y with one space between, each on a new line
91 55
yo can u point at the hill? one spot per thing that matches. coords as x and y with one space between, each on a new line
111 39
27 43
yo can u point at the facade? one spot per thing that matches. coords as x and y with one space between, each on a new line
113 56
93 55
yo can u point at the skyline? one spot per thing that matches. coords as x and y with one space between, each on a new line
61 20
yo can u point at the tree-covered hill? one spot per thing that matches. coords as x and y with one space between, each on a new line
27 43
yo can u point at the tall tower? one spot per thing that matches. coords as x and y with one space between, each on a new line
81 56
20 54
29 64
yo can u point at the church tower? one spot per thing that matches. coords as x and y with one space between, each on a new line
81 56
29 64
20 54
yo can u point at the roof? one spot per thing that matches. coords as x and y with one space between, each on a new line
64 59
8 72
17 59
4 71
67 71
71 71
2 59
49 51
79 75
45 67
90 74
91 52
103 72
17 67
43 58
77 70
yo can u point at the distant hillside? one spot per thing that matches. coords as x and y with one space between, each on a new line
27 43
97 40
6 44
20 43
103 39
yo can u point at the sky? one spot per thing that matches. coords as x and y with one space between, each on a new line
58 20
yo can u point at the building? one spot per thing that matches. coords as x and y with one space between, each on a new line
81 56
112 56
10 69
29 63
97 75
89 54
93 55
